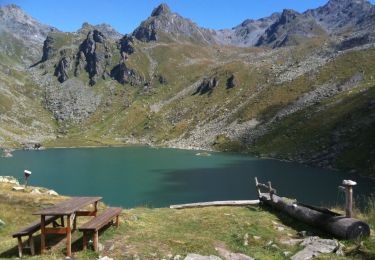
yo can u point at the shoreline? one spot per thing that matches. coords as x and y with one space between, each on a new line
188 148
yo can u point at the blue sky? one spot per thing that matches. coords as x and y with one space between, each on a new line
126 15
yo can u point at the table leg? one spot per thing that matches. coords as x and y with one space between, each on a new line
68 236
62 221
42 234
95 207
96 240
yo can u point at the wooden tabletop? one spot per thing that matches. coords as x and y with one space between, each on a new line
68 207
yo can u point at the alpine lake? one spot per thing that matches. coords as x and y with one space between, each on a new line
159 177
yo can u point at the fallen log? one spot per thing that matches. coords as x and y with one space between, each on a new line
216 203
339 226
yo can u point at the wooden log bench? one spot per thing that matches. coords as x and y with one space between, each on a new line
95 224
30 230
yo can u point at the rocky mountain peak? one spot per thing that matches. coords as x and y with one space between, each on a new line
16 21
164 24
104 28
162 9
338 15
291 28
288 15
17 26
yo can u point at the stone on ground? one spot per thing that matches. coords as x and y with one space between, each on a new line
315 246
201 257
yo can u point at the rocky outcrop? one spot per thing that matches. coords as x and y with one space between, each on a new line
47 48
231 82
207 86
354 42
61 70
126 45
94 56
290 29
125 75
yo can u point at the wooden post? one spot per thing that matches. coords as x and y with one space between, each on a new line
42 234
96 240
32 247
19 246
68 236
257 186
270 190
95 208
349 197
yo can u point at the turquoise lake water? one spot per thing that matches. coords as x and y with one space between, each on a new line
143 176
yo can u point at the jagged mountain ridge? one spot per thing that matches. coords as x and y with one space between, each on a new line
185 91
334 17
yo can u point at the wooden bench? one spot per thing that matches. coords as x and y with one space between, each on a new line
30 230
95 224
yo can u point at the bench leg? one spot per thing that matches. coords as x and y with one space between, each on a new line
117 221
96 240
69 236
19 246
84 238
31 243
42 234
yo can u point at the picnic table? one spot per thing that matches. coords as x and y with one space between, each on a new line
70 209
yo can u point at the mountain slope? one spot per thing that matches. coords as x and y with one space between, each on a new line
339 15
291 28
172 83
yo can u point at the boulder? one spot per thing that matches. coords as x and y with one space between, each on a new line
104 258
232 256
201 257
231 82
315 246
9 179
35 191
207 86
18 188
52 193
2 223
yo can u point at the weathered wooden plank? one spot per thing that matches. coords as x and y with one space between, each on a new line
33 227
86 213
55 230
216 203
68 207
101 220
